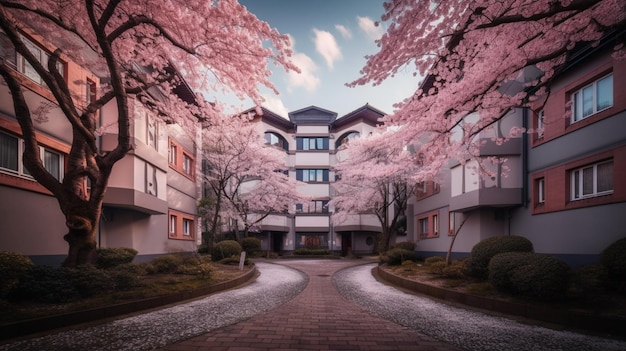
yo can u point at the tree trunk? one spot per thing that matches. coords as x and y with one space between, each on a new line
81 238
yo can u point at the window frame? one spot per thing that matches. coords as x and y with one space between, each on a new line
305 175
21 170
577 181
576 106
432 222
541 190
183 229
321 143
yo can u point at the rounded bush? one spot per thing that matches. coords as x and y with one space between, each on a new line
111 257
251 245
396 256
483 251
45 284
613 258
12 266
543 278
405 245
501 267
225 249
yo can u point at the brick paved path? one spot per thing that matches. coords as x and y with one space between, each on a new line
317 319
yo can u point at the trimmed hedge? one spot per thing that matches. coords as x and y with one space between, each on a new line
405 245
396 256
529 274
225 249
251 245
111 257
613 258
483 251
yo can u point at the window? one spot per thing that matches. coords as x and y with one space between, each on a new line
451 223
20 63
181 225
424 226
181 160
541 190
173 224
276 140
428 225
592 180
11 150
315 206
187 164
540 124
312 175
151 131
187 227
173 152
312 143
90 91
593 98
311 240
345 139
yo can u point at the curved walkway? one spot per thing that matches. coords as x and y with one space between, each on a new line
319 318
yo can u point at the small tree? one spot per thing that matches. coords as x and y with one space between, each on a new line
374 179
244 174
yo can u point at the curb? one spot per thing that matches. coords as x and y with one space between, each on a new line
603 324
38 325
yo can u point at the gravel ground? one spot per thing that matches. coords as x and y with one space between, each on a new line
159 328
466 329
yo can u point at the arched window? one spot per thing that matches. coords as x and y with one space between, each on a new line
276 140
344 139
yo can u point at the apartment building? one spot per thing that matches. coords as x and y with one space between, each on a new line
151 201
565 189
312 140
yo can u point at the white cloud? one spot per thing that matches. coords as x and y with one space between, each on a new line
345 32
326 45
306 78
370 28
275 104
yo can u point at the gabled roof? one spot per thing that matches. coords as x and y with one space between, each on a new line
365 113
312 115
272 118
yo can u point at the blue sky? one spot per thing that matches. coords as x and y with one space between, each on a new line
330 40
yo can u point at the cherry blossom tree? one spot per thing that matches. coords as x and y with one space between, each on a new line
375 179
245 175
173 39
479 58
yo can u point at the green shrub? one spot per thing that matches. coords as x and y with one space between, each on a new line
529 274
303 251
89 280
545 278
165 264
456 269
501 268
483 251
434 259
395 257
45 284
436 267
588 281
200 269
251 245
12 267
111 257
405 245
225 249
613 258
